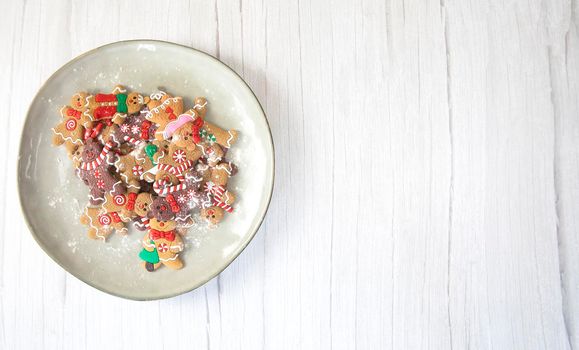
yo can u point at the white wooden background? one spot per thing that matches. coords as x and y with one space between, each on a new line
427 181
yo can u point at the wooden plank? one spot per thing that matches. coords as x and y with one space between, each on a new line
564 62
504 281
241 35
419 145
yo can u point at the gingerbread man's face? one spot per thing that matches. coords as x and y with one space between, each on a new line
79 101
143 204
185 137
76 156
91 150
160 225
161 210
212 214
134 102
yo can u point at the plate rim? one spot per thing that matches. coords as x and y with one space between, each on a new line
236 253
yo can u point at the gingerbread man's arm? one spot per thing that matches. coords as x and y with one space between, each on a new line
57 139
119 118
177 244
228 198
200 106
146 243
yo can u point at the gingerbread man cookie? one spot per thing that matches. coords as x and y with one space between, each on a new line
104 107
162 244
163 108
135 129
218 199
213 214
95 171
70 131
101 224
211 133
183 197
134 167
142 207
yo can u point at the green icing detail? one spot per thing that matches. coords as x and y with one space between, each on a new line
150 257
122 103
150 150
209 137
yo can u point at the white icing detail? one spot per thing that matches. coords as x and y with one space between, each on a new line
200 106
93 226
161 156
157 95
148 245
164 105
87 100
67 138
170 259
87 115
226 195
119 89
224 167
229 139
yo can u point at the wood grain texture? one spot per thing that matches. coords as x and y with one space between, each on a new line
427 180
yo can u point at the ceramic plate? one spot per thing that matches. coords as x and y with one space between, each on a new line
52 197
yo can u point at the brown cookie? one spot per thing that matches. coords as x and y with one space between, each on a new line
96 172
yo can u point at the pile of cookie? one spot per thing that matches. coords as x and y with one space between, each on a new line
147 161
